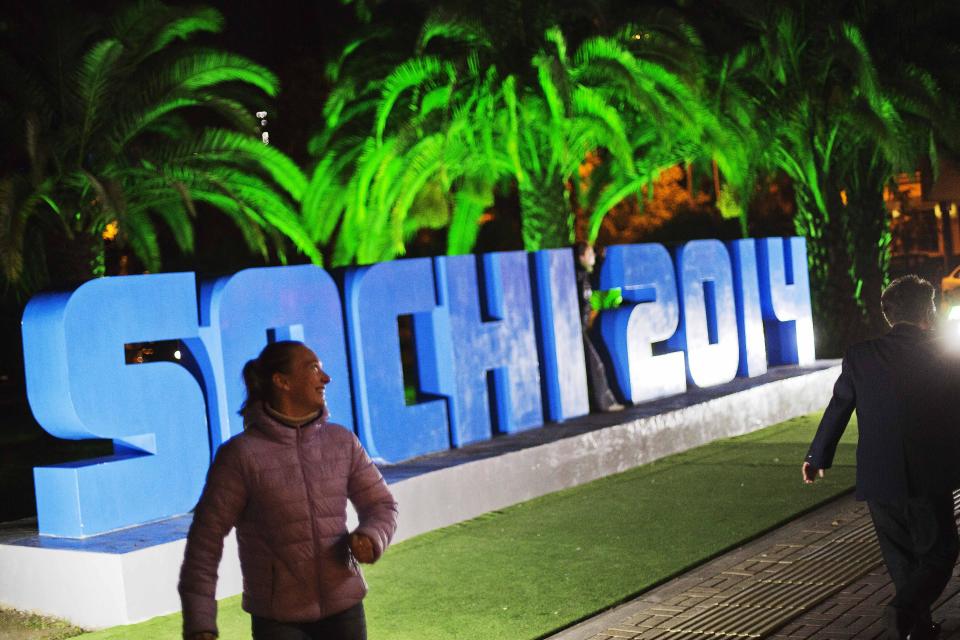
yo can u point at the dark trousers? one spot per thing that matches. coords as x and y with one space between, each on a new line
601 397
346 625
919 542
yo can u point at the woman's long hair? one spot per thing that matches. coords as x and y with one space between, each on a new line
258 373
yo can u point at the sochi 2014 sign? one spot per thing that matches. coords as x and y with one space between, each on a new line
498 350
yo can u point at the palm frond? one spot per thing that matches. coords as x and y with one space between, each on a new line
129 125
139 232
176 217
230 147
93 82
420 165
441 24
470 202
148 26
253 234
198 20
257 196
554 36
206 68
434 99
324 198
418 72
591 104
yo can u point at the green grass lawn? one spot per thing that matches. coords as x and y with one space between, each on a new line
533 568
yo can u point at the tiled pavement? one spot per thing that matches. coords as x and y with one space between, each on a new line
855 612
819 576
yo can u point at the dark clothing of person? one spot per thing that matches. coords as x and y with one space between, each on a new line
346 625
585 290
903 387
601 397
919 542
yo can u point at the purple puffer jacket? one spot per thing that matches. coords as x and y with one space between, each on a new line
285 489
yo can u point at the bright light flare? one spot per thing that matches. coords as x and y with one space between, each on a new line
950 330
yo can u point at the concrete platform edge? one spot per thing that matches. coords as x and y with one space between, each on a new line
96 590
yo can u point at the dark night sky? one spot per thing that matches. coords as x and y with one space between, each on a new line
294 38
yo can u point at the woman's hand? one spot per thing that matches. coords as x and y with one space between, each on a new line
362 547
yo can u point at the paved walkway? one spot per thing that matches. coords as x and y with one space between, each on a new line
819 576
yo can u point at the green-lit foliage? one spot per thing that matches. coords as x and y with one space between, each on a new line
652 76
426 141
109 120
603 99
840 130
407 144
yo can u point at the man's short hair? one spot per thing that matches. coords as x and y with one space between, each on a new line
908 299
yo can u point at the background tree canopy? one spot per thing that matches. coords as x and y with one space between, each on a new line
115 126
130 128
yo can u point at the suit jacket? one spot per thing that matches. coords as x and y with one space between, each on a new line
905 389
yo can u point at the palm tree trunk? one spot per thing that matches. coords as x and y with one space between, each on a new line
870 241
837 315
716 180
546 217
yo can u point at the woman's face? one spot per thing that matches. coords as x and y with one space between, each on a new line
302 389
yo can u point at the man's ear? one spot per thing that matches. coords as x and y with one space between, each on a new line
279 381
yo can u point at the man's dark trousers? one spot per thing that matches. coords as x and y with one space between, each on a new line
919 541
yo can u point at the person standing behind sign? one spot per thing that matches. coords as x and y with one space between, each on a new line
903 386
284 484
601 397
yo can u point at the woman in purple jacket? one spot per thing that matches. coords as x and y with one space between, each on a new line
284 484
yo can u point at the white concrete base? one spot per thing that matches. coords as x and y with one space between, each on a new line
95 590
454 494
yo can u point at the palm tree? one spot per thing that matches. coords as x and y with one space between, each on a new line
653 75
591 102
923 86
429 142
120 126
840 132
408 144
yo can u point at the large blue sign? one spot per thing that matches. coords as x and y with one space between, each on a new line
497 340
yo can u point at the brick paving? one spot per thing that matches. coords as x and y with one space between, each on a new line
855 612
820 576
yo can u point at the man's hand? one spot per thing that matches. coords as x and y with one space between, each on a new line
362 547
810 473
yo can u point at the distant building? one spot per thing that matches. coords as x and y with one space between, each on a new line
924 219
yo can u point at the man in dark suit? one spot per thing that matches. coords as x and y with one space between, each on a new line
904 389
